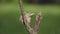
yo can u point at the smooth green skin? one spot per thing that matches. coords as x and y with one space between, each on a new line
10 13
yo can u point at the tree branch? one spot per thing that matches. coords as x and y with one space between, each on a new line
24 20
22 11
29 29
37 22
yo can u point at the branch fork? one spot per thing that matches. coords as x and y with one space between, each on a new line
26 17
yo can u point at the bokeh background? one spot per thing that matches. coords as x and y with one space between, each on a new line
10 13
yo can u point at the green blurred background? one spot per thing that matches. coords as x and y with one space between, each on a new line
10 13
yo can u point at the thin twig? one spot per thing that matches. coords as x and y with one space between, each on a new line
30 30
22 11
24 18
37 22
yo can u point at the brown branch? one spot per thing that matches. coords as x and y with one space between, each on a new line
37 22
25 21
22 11
29 29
